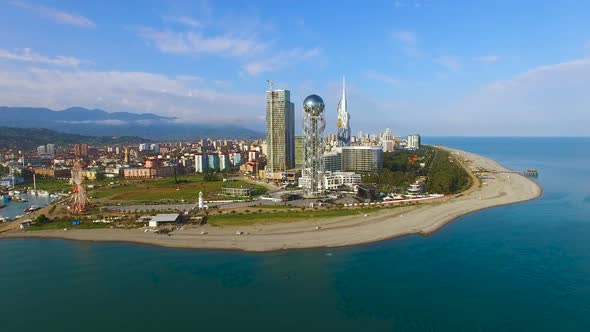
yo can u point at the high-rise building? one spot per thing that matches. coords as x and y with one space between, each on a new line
236 159
343 119
214 162
50 149
280 131
414 141
298 151
41 150
80 150
362 158
201 163
388 141
155 147
224 162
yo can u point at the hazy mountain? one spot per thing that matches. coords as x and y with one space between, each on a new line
29 138
79 120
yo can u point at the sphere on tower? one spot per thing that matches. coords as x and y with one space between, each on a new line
313 104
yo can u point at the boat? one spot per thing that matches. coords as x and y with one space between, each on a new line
6 199
32 208
2 206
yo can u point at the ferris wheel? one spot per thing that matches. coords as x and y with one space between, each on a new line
79 198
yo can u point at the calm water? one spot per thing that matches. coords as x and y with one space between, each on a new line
14 208
523 267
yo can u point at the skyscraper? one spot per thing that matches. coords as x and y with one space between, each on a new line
280 131
343 119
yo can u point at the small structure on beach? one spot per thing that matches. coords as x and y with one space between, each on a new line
167 218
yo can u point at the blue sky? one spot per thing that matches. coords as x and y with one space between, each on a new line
434 67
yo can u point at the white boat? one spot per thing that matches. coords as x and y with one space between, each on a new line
42 193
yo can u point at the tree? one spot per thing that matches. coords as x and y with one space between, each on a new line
42 219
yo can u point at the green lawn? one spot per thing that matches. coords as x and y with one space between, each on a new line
243 219
166 189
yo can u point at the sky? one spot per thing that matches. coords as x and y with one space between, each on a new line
460 68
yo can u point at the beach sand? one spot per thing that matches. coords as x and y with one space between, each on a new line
504 188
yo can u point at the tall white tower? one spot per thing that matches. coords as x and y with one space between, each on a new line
343 120
313 147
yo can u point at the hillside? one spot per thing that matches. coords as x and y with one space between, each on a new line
82 121
29 138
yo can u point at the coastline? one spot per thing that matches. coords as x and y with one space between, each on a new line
505 188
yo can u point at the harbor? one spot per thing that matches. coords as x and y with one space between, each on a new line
19 202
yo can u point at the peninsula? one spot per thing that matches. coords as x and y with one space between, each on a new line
500 187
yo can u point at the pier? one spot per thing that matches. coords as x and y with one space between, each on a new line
482 173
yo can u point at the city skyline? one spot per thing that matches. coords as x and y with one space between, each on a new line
419 65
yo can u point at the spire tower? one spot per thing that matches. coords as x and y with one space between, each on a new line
343 119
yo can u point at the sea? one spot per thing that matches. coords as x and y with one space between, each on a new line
521 267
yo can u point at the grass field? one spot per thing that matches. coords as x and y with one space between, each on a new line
243 219
166 189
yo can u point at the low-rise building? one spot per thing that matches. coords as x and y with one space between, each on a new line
59 173
236 191
168 218
147 173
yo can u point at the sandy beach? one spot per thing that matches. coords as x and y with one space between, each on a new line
504 188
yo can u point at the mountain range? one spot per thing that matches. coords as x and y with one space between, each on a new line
30 138
96 122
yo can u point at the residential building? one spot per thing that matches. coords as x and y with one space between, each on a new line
213 162
362 158
388 141
224 162
80 150
201 163
333 161
413 141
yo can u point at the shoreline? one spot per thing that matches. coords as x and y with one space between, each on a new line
426 218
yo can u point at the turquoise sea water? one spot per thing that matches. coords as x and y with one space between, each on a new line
523 267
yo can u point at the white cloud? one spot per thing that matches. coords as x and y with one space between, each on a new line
280 60
408 42
27 55
489 58
196 43
56 15
381 77
547 100
136 92
405 37
184 20
449 62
